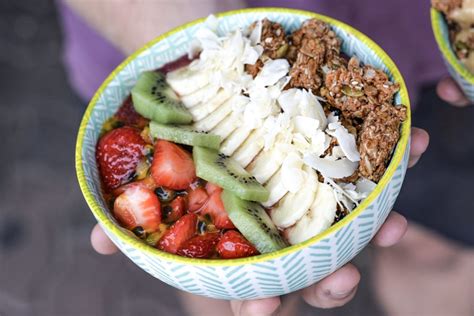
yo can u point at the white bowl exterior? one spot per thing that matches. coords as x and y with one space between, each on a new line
273 277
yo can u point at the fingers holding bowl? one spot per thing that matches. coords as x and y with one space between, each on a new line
101 243
419 143
449 91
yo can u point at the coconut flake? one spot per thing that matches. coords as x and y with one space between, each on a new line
256 34
345 140
365 186
335 169
305 125
272 71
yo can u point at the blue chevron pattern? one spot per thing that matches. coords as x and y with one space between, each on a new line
273 277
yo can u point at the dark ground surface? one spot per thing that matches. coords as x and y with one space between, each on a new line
47 266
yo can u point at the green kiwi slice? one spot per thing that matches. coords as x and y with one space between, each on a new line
154 99
184 134
224 171
253 222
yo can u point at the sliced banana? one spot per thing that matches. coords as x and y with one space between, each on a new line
266 164
199 96
185 81
294 205
237 138
226 126
319 217
202 110
211 121
250 148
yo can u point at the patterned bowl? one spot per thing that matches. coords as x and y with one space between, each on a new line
457 70
272 274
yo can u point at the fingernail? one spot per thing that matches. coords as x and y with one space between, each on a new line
342 295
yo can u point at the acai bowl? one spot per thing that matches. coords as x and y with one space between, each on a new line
292 263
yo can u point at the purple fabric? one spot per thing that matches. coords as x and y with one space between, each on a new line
401 27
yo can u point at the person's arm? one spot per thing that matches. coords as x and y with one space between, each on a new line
129 24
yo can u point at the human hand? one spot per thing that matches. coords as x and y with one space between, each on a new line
334 290
449 91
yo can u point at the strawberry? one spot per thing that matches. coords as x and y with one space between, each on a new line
174 210
118 153
172 166
200 246
147 183
211 188
233 245
196 198
128 116
178 233
138 206
215 208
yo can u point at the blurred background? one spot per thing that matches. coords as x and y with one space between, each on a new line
47 266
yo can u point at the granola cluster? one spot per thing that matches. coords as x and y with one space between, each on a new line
361 95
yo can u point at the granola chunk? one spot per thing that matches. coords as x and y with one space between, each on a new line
356 90
379 135
312 46
446 6
254 69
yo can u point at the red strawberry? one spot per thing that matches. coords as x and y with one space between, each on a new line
196 198
172 166
211 188
127 114
138 206
118 153
147 183
178 233
175 210
215 208
233 245
200 246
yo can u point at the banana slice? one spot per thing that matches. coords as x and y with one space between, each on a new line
201 110
266 164
237 138
294 205
250 148
185 81
199 96
226 126
319 217
210 121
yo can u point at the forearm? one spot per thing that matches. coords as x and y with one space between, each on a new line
128 24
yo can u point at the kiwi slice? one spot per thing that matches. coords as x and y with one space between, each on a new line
224 171
154 99
253 222
184 134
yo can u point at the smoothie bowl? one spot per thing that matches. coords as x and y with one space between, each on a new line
246 155
452 22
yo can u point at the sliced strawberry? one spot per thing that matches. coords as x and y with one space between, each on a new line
178 233
200 246
172 166
147 183
174 210
211 188
138 206
215 208
196 198
118 153
128 116
233 245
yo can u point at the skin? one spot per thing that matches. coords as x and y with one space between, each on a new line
333 291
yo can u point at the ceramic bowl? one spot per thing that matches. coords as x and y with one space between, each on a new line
272 274
457 70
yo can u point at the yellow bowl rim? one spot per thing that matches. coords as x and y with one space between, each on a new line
131 241
437 19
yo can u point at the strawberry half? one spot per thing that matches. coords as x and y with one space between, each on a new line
118 153
128 116
201 246
174 211
215 208
211 188
233 245
138 206
196 198
172 166
178 233
147 183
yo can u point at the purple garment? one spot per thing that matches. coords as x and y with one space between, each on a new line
401 27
